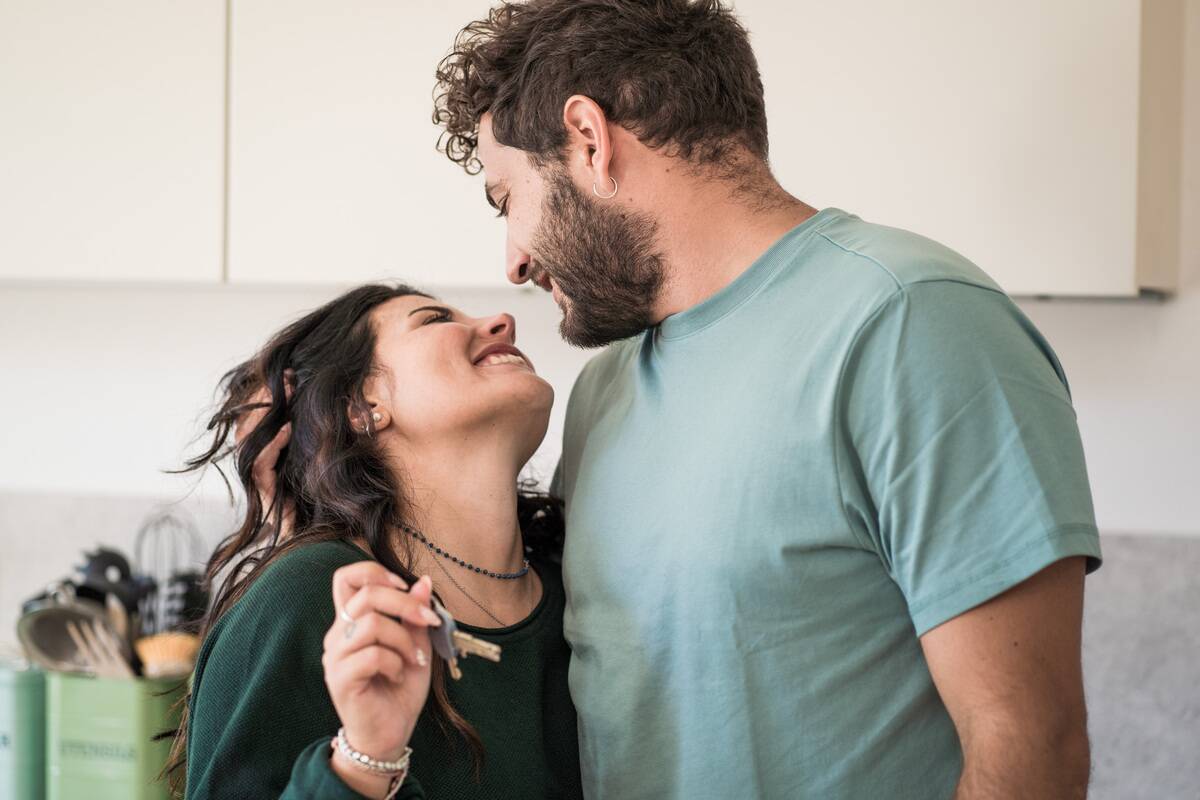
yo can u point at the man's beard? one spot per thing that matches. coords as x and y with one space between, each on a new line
602 260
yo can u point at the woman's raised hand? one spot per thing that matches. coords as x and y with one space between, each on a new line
377 656
267 460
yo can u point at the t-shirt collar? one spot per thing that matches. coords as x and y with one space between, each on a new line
745 285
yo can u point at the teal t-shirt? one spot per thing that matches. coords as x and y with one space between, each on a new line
772 495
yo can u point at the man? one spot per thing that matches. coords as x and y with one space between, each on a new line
828 514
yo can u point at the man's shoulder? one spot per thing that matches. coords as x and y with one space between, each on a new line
897 258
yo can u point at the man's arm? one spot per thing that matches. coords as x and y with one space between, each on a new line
1009 672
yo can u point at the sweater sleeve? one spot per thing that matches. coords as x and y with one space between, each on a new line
261 718
312 777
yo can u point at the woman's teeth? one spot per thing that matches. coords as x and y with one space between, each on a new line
502 358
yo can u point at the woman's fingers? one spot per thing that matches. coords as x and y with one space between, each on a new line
268 458
349 579
247 422
262 397
374 608
363 665
407 606
375 629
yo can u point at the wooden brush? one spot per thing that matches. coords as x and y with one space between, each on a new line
168 655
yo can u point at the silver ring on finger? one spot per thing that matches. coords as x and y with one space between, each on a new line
349 620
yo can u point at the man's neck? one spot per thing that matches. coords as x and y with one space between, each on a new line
712 232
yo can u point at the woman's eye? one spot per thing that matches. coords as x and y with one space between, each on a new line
441 316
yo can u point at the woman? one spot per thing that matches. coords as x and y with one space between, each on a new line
399 427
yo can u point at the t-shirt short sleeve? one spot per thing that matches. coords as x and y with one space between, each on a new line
960 457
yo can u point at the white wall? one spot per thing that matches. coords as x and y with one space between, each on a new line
102 386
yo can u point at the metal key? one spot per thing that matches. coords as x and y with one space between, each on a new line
452 644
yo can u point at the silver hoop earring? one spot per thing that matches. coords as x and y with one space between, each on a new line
596 191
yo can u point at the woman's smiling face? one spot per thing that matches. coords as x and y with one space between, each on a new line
444 372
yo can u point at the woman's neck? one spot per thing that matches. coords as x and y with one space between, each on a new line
464 501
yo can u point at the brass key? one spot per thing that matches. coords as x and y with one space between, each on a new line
451 643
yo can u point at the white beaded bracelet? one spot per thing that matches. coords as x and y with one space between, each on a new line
364 761
397 770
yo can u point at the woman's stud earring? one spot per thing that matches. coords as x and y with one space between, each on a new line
377 416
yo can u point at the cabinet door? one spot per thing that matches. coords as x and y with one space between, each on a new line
1007 130
334 172
111 146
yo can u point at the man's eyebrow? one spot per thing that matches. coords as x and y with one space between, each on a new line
488 189
439 309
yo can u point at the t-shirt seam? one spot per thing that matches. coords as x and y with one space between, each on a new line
837 417
960 281
905 284
872 259
1049 535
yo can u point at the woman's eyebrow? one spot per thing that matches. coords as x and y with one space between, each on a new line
439 309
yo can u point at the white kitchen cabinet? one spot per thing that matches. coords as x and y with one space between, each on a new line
111 140
334 175
1039 138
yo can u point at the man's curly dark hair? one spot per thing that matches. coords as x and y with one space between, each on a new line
680 74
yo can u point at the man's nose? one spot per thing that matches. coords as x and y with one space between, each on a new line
516 263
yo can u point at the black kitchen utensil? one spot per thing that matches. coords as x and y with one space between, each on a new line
167 551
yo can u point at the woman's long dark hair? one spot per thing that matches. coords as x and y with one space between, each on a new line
335 481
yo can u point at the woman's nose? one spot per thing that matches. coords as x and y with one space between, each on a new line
501 325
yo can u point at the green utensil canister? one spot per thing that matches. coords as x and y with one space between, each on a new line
98 733
22 733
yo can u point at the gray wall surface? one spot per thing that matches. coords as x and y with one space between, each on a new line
1141 651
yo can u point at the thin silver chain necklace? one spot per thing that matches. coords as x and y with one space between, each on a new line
467 594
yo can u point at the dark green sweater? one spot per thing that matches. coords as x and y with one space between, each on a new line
261 718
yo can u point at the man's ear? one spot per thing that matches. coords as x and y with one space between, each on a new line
589 143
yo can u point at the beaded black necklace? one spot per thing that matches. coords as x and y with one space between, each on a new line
504 576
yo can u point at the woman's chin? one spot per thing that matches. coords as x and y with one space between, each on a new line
537 395
523 417
514 377
513 387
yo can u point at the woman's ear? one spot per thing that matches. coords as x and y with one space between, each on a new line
375 416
